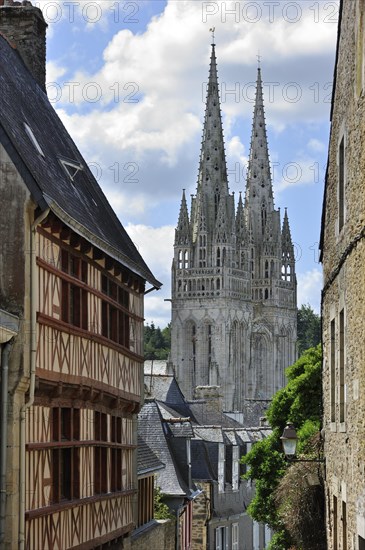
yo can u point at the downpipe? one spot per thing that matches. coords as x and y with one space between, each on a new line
4 434
33 354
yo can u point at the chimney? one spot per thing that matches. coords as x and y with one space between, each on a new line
24 27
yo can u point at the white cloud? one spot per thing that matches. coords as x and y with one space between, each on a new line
316 145
309 288
54 71
151 82
301 171
156 247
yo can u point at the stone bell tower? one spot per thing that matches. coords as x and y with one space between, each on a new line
233 273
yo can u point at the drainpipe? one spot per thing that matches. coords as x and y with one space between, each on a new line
3 435
33 353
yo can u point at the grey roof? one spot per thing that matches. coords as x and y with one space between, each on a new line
151 429
164 387
204 413
80 203
214 434
147 461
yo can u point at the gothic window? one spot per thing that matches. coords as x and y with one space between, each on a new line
263 217
266 269
218 257
186 259
224 255
179 259
218 284
272 268
266 294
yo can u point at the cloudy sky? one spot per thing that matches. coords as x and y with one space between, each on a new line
128 80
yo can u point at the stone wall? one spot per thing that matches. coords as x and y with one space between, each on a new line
156 535
343 257
24 27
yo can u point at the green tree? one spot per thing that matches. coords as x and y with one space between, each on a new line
309 328
161 510
300 403
156 342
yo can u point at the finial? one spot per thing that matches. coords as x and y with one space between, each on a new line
258 59
212 30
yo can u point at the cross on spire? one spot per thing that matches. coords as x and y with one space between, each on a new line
258 58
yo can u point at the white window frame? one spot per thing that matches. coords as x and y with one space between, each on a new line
220 538
235 537
221 467
235 467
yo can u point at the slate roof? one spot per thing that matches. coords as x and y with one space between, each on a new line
147 461
164 388
151 429
80 203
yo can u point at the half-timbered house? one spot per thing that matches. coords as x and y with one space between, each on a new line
71 274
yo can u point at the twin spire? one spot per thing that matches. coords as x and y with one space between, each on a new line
212 208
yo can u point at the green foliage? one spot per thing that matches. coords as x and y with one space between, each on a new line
157 342
161 510
300 403
309 328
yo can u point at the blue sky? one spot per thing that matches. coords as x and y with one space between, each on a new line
128 80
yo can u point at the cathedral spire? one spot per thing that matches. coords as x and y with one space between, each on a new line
212 179
182 232
286 241
259 184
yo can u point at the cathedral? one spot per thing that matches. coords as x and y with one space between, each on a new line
234 305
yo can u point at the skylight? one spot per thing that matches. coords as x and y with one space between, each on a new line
71 167
33 139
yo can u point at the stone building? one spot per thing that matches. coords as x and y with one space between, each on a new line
233 274
343 310
72 288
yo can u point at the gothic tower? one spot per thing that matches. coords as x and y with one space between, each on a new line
233 273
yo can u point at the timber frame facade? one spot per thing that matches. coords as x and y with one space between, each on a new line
80 431
72 288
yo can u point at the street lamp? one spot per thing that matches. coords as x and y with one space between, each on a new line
289 441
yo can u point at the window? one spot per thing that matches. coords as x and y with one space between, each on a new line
115 322
344 526
235 536
333 370
342 365
235 467
220 538
228 463
116 458
145 500
360 46
341 184
361 543
33 139
74 297
71 167
100 466
335 539
65 460
221 467
100 453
